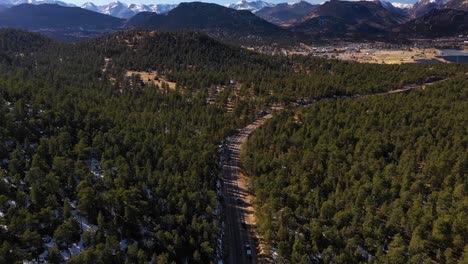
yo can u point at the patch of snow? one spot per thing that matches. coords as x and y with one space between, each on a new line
252 6
124 10
148 193
51 243
65 254
123 244
43 256
77 248
96 168
83 221
402 5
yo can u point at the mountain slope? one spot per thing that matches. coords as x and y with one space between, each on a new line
215 20
422 7
398 8
59 22
28 16
457 4
437 23
286 13
342 19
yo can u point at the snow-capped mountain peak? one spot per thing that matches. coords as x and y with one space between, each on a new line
123 10
402 5
251 5
39 2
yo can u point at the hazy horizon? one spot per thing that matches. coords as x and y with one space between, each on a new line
221 2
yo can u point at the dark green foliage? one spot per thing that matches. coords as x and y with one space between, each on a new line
380 179
195 61
91 157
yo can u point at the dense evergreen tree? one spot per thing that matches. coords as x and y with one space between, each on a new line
127 171
379 179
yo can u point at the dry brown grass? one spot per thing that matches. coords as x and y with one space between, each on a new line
389 56
153 77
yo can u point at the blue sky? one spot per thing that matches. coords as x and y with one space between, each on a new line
222 2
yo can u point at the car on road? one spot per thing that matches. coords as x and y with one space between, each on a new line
248 250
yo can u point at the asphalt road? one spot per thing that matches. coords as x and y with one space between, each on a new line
238 235
239 232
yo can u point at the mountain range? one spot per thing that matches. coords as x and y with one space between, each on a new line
334 19
253 6
436 23
59 22
282 13
286 13
123 10
281 24
217 21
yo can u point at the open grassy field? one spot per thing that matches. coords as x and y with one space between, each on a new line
388 56
152 77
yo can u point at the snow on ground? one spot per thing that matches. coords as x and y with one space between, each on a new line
65 254
83 221
47 245
77 248
402 5
124 245
96 168
148 193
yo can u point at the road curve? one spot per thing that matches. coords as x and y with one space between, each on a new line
237 234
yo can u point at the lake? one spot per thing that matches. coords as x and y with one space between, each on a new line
454 55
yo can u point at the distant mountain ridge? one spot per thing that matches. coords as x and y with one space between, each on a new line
285 23
349 19
220 22
285 13
59 21
123 10
437 23
35 2
250 5
456 4
422 7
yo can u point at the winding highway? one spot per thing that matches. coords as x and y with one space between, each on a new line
239 233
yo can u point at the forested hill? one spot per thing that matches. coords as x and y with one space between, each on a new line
112 171
13 40
195 60
380 179
97 166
